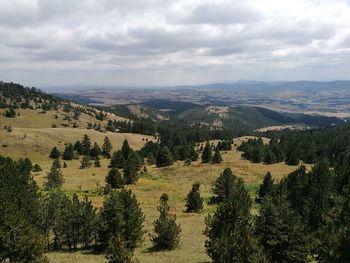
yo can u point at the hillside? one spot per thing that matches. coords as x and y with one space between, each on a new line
31 108
176 180
85 179
238 118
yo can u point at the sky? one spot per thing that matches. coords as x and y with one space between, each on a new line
66 43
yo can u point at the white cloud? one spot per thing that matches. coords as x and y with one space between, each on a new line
156 42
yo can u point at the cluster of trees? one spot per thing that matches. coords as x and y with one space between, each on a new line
310 146
256 151
128 160
302 218
160 154
34 222
164 155
87 149
10 113
207 155
141 126
15 96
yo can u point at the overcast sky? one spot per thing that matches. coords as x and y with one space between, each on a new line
165 42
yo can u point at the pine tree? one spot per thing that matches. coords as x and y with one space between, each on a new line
95 150
207 154
217 156
85 162
335 248
37 168
164 157
194 202
229 232
266 187
167 232
117 160
54 153
292 158
225 186
116 251
21 239
86 145
280 231
132 165
106 148
54 177
89 222
121 215
126 149
269 157
78 147
114 178
97 162
68 153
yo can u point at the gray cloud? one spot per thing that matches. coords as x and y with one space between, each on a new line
156 42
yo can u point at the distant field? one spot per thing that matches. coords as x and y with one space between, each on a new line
37 143
175 180
38 119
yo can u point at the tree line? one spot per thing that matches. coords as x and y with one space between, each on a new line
307 146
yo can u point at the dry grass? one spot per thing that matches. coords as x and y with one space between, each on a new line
36 119
175 180
37 143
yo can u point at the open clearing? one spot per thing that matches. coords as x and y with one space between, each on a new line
175 180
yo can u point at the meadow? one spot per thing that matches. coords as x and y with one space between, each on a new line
176 180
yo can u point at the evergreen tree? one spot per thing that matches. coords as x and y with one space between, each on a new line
78 147
21 239
167 232
106 148
164 157
292 158
54 153
225 186
117 160
68 153
217 156
114 178
207 154
132 165
86 145
258 153
97 162
121 215
95 151
269 157
229 232
117 252
280 231
88 222
336 229
194 202
37 168
85 162
266 187
126 149
54 177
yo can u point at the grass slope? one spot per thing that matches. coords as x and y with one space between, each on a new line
175 180
36 143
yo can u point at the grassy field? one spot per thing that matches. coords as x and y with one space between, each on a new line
175 180
37 143
38 119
